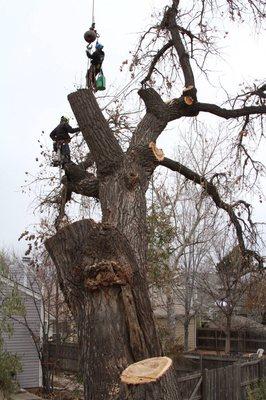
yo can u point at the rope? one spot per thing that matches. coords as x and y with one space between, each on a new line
127 86
92 16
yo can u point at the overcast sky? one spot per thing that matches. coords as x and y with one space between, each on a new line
43 58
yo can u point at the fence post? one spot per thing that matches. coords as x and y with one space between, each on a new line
259 369
204 392
238 387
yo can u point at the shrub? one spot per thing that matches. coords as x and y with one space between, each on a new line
257 391
9 367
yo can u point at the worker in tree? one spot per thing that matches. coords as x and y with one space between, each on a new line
61 138
96 58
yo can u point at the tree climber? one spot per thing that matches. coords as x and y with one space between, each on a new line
96 58
61 138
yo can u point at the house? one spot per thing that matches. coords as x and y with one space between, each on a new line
179 316
176 311
22 342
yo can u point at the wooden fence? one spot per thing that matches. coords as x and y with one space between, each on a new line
232 382
244 342
228 383
65 356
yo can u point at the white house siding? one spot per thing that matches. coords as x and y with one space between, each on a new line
21 342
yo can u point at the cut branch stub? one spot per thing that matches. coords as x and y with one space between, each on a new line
146 371
158 153
190 95
149 156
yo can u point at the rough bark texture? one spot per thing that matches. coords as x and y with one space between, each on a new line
163 389
99 276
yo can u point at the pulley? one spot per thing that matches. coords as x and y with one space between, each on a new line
91 35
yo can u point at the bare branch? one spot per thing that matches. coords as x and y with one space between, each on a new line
169 23
156 58
212 191
225 113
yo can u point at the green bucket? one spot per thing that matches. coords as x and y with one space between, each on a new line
100 82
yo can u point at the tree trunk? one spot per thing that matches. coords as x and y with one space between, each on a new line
186 333
228 335
46 370
163 389
102 267
99 277
171 317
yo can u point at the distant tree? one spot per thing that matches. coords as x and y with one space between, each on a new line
180 233
226 286
255 299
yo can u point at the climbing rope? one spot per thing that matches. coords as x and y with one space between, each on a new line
91 35
93 16
127 86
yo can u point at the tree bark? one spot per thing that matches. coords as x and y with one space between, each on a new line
171 317
228 335
99 276
47 372
186 334
163 389
102 267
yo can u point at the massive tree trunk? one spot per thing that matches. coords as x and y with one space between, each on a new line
102 267
99 277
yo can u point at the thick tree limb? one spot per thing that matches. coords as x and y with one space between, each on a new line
212 191
104 147
225 113
169 23
159 114
80 181
76 180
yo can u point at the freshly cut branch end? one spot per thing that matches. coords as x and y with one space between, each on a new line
158 153
146 371
188 100
189 95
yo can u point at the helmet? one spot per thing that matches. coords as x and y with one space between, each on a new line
99 46
65 120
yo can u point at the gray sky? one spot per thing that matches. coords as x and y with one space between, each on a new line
43 57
